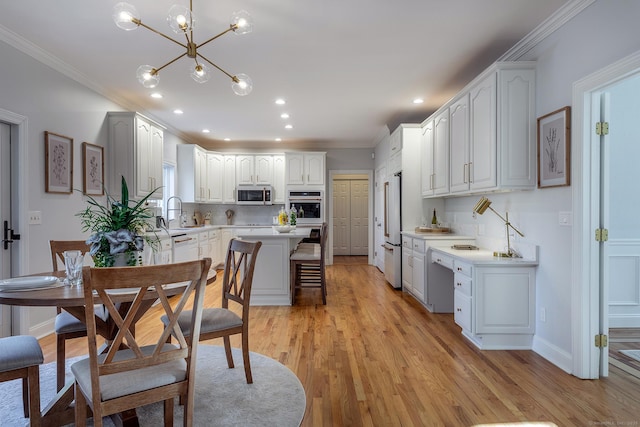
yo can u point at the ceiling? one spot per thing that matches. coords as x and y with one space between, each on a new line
348 69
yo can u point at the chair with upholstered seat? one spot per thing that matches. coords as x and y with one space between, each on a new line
307 267
236 288
66 325
120 380
21 357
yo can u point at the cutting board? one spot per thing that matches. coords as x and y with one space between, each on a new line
429 230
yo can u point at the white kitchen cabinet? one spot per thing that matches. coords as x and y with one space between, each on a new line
278 179
305 168
215 249
192 169
407 265
459 165
254 169
229 181
225 237
434 152
215 178
418 275
426 156
462 283
135 152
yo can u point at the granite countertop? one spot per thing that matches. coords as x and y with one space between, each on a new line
483 257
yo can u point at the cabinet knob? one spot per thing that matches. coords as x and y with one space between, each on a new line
438 259
458 309
458 284
459 269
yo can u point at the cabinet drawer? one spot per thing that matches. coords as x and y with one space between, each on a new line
203 236
165 245
462 283
462 310
419 245
407 242
463 268
443 260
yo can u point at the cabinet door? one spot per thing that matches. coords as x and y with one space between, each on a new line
314 168
155 161
278 179
459 145
294 169
143 148
462 310
418 279
229 181
215 178
441 153
263 170
426 153
482 135
200 174
244 170
407 269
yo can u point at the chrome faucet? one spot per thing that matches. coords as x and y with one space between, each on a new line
174 209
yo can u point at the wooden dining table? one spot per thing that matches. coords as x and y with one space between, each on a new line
59 411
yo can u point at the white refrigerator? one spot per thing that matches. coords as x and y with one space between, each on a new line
392 228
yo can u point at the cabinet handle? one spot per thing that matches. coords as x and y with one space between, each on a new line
431 181
308 179
465 172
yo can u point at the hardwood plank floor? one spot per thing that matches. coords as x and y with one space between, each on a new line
373 356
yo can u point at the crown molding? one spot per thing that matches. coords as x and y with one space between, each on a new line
545 29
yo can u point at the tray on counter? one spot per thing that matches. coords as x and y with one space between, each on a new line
441 230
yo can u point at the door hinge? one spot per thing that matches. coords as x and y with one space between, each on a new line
602 234
601 340
602 128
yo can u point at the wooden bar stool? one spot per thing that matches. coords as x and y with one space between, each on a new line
307 266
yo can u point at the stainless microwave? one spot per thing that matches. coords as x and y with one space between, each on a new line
262 195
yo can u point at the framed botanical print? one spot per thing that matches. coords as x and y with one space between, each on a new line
93 169
554 145
58 163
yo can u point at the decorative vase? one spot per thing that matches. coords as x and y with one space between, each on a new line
124 259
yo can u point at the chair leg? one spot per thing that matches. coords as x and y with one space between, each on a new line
168 412
323 286
81 408
245 357
33 374
60 350
292 280
227 350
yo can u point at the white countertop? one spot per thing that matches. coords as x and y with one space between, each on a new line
269 232
483 257
435 236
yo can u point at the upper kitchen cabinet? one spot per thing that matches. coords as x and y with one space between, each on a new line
192 167
254 169
459 164
435 155
135 148
215 177
229 180
305 168
278 179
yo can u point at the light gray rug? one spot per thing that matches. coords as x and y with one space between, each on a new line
634 354
222 395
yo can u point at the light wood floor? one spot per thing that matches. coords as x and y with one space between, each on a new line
373 356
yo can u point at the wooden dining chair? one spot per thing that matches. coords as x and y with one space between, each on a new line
307 266
21 357
120 380
66 325
222 322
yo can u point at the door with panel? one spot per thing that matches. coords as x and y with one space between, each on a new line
341 217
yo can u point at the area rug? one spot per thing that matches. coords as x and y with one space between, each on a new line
222 395
634 354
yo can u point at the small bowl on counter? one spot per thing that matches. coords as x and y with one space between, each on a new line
283 228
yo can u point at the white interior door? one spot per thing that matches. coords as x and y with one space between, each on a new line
359 230
5 215
341 217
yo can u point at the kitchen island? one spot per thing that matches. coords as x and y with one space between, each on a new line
271 274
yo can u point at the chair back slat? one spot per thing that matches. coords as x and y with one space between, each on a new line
58 248
238 272
127 293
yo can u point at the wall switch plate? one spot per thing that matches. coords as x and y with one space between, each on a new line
35 217
565 218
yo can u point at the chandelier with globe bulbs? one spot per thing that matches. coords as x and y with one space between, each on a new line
181 20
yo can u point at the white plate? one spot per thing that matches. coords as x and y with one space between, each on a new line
32 282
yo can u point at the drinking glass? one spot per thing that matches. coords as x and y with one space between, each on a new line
73 261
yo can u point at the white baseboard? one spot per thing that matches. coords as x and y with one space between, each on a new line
553 354
624 321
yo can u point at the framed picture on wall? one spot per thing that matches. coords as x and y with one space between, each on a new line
58 163
93 169
554 145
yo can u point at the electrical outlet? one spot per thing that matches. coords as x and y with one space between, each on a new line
35 217
565 219
543 314
481 230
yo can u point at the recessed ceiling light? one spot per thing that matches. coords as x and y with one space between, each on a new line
284 115
205 131
227 139
278 139
418 101
156 95
178 111
288 127
280 101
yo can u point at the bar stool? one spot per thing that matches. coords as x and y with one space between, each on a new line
21 357
307 266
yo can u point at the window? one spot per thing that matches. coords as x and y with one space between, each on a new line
169 183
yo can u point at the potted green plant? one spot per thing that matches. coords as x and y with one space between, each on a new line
118 229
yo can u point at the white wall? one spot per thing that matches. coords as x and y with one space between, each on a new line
603 33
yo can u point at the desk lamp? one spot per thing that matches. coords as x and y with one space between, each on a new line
484 204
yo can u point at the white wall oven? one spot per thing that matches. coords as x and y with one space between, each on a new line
309 205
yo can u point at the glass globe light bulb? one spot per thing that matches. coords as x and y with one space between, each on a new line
243 21
147 76
124 14
242 85
200 73
180 19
